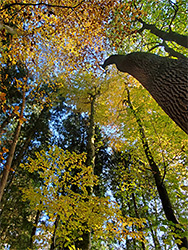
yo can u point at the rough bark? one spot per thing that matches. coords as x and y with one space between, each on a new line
162 191
166 80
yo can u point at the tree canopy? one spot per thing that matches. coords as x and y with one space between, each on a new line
88 159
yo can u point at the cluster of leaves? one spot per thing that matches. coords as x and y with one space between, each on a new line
66 29
64 193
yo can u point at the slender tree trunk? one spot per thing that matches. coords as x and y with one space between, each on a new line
8 163
23 149
137 215
52 247
130 243
153 232
163 194
85 244
136 208
91 133
34 228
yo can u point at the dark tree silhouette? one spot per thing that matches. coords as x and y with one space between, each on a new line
166 80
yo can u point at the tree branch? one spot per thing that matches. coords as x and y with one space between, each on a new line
172 52
166 36
176 8
41 3
169 50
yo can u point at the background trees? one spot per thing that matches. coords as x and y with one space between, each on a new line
53 92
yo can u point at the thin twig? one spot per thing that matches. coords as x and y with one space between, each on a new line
176 8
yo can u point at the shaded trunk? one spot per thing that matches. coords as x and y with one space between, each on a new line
163 194
91 133
137 215
52 247
8 163
153 231
135 207
23 149
34 228
85 244
130 242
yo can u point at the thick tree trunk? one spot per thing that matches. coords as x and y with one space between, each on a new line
165 79
163 194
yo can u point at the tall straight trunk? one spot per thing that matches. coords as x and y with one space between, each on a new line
85 244
132 242
25 146
153 231
135 205
91 133
137 215
53 245
163 194
34 228
136 208
8 163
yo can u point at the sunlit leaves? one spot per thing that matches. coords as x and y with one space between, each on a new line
67 30
64 192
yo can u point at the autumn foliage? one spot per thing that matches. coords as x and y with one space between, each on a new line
72 158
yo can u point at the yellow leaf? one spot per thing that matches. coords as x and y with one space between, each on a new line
22 120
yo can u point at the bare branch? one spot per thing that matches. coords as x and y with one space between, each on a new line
176 8
41 3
